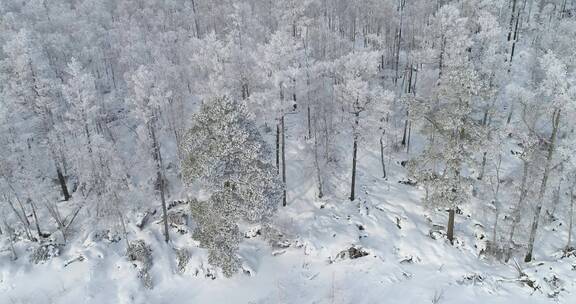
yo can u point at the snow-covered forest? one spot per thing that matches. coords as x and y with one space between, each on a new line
287 151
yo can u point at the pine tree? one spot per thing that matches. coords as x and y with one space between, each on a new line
225 152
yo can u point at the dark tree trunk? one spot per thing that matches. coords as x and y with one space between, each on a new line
409 135
318 175
450 228
415 81
514 40
510 114
485 118
294 92
354 153
278 148
405 134
62 181
409 88
309 124
317 163
353 183
283 161
512 15
441 58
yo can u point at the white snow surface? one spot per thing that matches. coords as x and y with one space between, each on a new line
387 220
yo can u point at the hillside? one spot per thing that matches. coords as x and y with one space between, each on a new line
387 222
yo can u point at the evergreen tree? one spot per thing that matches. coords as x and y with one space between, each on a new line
225 152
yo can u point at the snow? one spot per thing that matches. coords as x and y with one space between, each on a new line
387 220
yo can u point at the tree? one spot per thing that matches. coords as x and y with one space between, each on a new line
217 231
556 90
80 94
149 95
225 152
357 96
224 147
450 115
33 88
99 169
281 60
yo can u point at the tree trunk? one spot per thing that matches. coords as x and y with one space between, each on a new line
317 165
510 114
309 123
536 220
571 219
23 219
40 235
398 43
88 138
511 24
353 184
409 136
514 40
497 200
283 160
450 228
295 105
485 118
382 158
409 86
441 58
405 134
160 178
415 81
317 162
164 209
278 148
516 214
495 229
354 153
62 182
482 167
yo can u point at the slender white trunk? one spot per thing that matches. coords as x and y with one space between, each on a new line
571 219
543 185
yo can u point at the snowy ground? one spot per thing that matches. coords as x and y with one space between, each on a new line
404 264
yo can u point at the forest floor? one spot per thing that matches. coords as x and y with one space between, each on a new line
387 223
